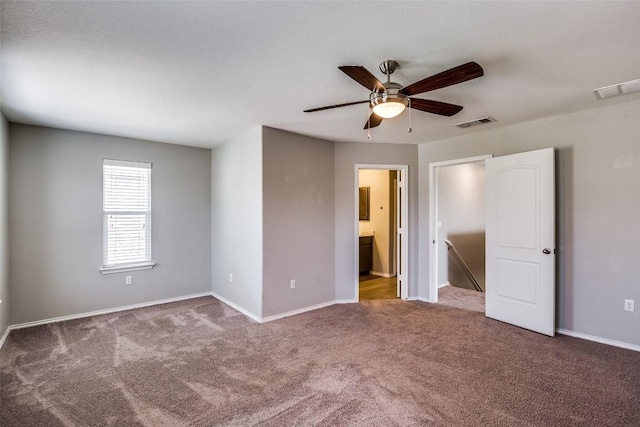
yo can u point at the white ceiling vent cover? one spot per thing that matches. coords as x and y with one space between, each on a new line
475 122
618 89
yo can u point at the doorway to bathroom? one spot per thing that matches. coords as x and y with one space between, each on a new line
381 202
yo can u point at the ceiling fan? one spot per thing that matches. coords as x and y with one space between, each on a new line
390 99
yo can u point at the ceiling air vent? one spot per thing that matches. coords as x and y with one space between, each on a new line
475 122
617 90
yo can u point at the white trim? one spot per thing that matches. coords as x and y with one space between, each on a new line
107 311
129 267
276 316
574 334
237 307
444 285
299 311
432 290
476 159
600 340
377 273
127 163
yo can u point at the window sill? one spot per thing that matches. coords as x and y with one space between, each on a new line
128 267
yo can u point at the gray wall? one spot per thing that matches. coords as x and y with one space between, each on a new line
347 155
598 210
298 203
55 223
4 238
236 220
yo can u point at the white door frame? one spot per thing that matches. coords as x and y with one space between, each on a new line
403 246
432 294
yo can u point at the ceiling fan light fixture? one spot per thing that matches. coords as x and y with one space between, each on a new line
388 106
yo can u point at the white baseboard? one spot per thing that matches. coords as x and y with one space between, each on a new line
298 311
274 317
165 301
377 273
444 284
237 307
600 340
615 343
98 313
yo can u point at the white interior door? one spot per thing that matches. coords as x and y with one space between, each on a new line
520 240
393 229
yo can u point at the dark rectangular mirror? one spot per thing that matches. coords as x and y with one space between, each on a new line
364 204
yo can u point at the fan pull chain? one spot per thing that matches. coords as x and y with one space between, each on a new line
409 130
369 123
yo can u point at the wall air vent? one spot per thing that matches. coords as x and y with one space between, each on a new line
617 90
475 122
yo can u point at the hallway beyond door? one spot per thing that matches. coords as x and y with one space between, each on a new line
375 287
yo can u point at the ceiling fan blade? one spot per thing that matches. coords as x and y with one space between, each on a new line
373 121
363 76
328 107
435 107
459 74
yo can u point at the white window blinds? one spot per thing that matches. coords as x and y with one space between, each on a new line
126 212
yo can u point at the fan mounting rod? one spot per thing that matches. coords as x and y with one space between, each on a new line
388 67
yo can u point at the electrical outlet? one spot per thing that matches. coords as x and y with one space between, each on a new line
230 277
293 284
629 305
128 280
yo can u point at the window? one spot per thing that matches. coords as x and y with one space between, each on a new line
126 216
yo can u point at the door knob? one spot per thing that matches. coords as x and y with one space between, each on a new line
546 251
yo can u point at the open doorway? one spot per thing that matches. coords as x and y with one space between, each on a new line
458 229
519 195
381 202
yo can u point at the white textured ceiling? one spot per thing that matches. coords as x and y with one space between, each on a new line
200 73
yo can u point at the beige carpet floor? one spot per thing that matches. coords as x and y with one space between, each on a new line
461 298
378 363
